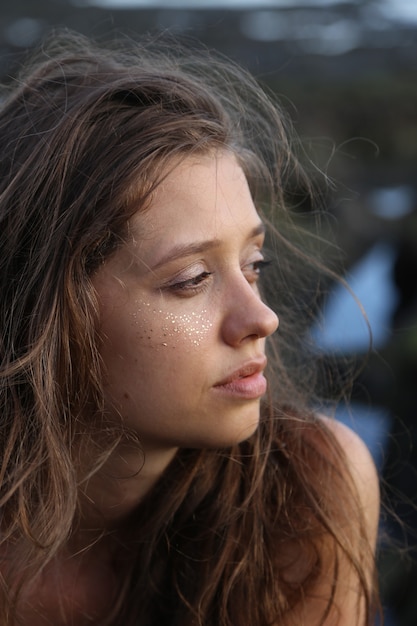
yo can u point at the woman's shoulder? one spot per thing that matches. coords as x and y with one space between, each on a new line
361 469
331 461
344 585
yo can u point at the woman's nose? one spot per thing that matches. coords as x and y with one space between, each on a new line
247 316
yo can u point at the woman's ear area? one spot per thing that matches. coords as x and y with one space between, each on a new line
363 473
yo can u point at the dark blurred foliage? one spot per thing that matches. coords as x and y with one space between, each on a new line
347 74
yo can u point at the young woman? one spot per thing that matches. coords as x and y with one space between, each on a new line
149 474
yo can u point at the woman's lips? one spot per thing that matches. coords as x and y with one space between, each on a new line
247 382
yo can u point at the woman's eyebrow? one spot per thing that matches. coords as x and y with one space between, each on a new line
188 249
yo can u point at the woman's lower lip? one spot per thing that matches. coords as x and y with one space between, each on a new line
249 387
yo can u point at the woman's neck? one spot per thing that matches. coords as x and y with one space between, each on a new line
113 492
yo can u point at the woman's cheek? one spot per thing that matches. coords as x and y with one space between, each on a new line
165 329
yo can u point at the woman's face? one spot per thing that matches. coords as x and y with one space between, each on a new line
182 326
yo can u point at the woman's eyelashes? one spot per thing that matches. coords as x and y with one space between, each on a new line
200 282
254 270
191 285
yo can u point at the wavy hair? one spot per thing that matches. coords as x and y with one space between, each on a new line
87 133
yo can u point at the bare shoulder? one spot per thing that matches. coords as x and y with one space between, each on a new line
339 596
362 471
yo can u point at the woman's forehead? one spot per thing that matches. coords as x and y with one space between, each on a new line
192 186
204 199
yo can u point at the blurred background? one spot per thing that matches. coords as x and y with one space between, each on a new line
346 72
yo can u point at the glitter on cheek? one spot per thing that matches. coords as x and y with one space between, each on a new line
193 326
159 324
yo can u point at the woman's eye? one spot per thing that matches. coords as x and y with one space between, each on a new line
254 270
191 285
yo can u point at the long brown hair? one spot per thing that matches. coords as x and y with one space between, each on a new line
86 133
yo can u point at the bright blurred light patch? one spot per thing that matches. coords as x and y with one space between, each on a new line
338 37
404 11
209 4
24 32
392 203
267 26
312 36
343 328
